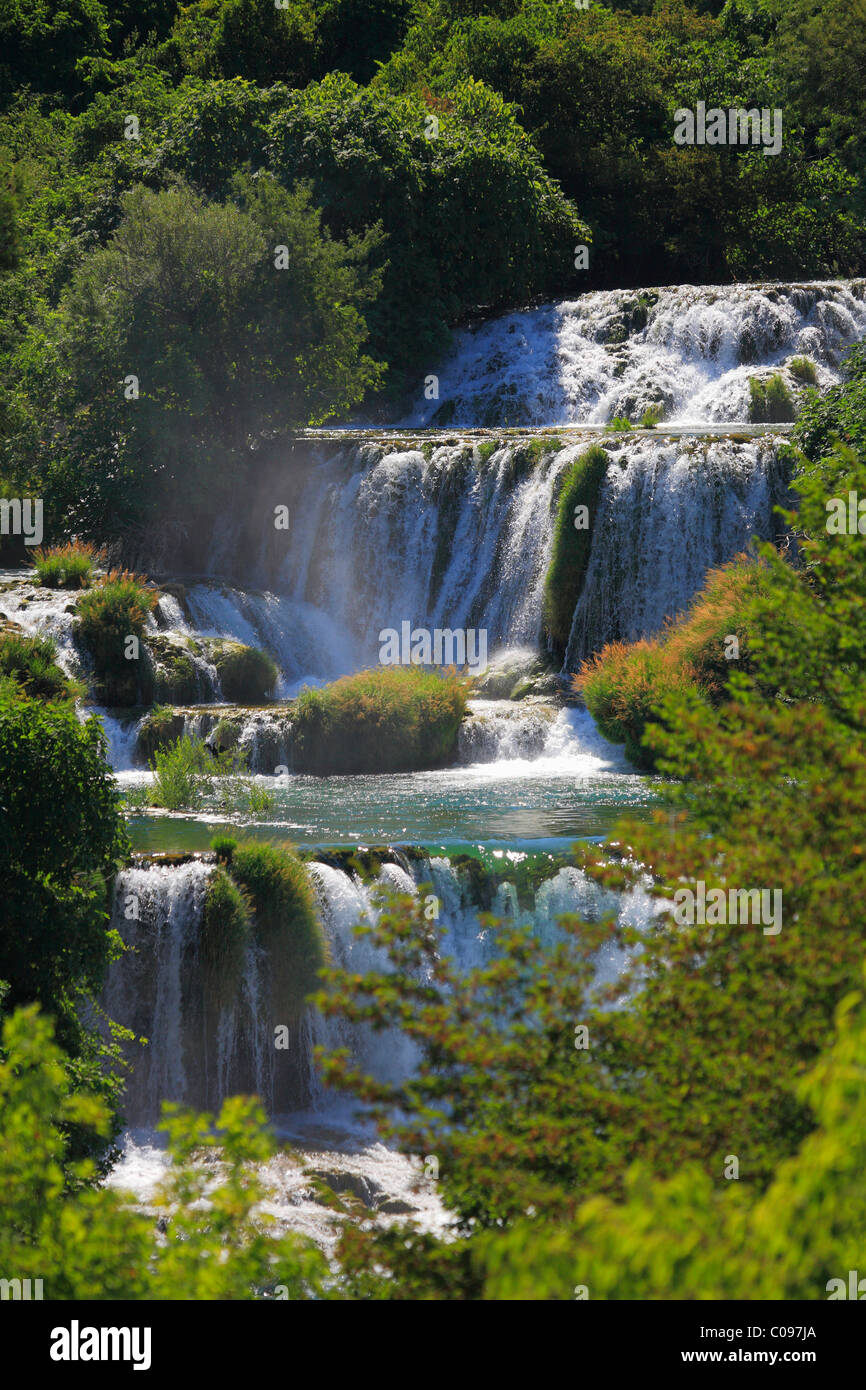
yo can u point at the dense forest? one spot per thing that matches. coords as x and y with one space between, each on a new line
420 164
225 223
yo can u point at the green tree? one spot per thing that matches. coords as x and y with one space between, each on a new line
91 1243
61 840
183 343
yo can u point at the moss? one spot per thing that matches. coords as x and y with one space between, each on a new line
770 401
394 719
488 449
482 881
284 921
176 679
246 675
223 936
159 728
581 486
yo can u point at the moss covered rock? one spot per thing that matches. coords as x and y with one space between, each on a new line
581 487
246 674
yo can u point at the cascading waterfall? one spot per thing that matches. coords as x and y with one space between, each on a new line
688 348
670 510
198 1051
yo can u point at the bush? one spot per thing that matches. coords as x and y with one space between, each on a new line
803 370
61 840
108 614
623 686
770 401
395 719
286 925
224 935
185 772
31 663
66 566
619 422
246 675
624 683
211 1241
581 486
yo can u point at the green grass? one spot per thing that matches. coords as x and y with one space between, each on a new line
108 615
276 883
581 486
803 370
223 936
770 401
68 566
619 422
393 719
652 416
32 663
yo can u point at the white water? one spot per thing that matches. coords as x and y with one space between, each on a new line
581 361
669 511
200 1052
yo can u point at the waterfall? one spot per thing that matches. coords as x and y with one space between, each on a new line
688 348
199 1051
441 534
669 510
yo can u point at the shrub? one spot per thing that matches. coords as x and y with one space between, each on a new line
623 683
581 486
803 370
246 675
95 1241
66 566
697 640
224 847
181 780
619 422
286 925
622 686
240 794
224 935
770 401
31 663
185 772
395 719
108 614
61 840
652 416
